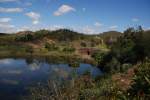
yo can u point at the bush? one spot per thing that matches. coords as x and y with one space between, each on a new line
83 44
69 49
98 56
51 47
112 66
141 85
24 38
127 49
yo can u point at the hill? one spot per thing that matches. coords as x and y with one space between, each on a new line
58 35
2 34
110 34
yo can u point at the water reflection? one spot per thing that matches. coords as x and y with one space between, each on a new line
17 74
10 82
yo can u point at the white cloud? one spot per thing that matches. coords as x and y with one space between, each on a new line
63 10
34 16
135 19
35 28
5 20
23 28
8 0
5 26
88 30
35 22
10 10
114 27
98 24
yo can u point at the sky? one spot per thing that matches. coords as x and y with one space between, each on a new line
86 16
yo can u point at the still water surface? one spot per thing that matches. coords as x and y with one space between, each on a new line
16 75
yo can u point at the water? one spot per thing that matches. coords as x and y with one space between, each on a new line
16 75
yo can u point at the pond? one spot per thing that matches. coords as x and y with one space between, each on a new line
16 75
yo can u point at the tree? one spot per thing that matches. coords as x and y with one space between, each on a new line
98 56
129 48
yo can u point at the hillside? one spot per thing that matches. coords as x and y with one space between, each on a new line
110 34
58 35
61 35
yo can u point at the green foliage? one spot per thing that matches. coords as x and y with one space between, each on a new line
51 47
41 34
95 41
69 49
65 35
141 85
112 66
98 56
59 35
80 88
146 42
129 49
124 51
24 38
83 44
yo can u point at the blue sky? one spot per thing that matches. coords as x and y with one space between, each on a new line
87 16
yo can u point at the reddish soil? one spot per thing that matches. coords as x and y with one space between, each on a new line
124 81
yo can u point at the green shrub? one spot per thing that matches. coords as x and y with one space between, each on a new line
141 85
83 44
51 47
112 66
24 38
69 49
98 56
129 48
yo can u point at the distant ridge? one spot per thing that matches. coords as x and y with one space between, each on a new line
3 34
110 34
25 32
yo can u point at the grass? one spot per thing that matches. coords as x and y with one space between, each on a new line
85 87
79 88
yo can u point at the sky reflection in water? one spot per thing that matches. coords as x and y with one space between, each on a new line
17 74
